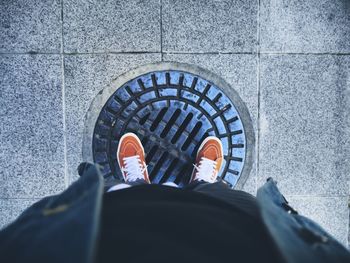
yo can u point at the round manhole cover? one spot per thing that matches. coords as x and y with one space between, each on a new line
172 110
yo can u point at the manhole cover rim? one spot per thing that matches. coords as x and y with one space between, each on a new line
103 96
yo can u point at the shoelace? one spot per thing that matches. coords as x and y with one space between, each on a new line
206 170
133 168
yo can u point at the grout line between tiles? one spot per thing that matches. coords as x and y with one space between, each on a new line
315 195
173 53
21 198
348 232
161 29
66 179
348 225
258 91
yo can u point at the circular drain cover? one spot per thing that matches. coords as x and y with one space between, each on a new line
172 112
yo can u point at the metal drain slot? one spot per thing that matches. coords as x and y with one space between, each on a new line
191 136
169 171
144 119
144 141
158 119
151 153
158 165
170 123
172 112
182 128
186 170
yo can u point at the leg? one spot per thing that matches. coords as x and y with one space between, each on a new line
244 201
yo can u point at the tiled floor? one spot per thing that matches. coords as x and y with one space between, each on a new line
288 60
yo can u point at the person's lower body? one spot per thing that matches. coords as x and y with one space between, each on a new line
242 200
132 163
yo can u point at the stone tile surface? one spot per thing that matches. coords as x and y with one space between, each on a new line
304 123
250 184
10 209
331 213
3 189
85 76
29 177
30 26
31 102
209 26
96 26
305 26
31 126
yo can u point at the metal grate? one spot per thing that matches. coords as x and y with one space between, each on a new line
172 112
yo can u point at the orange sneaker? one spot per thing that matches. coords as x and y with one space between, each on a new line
131 159
208 160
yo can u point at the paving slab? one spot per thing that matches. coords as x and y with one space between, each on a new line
304 123
331 213
85 76
250 184
30 26
10 209
3 189
31 119
314 26
238 70
31 178
31 129
209 26
119 26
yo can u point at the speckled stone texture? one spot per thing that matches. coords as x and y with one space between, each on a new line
30 26
304 109
31 125
207 26
85 76
28 177
121 26
10 209
305 26
331 213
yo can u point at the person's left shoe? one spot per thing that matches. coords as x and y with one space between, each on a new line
208 160
131 160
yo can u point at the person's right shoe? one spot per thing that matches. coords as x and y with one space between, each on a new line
131 159
208 160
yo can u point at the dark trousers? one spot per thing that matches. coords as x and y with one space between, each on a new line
242 200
